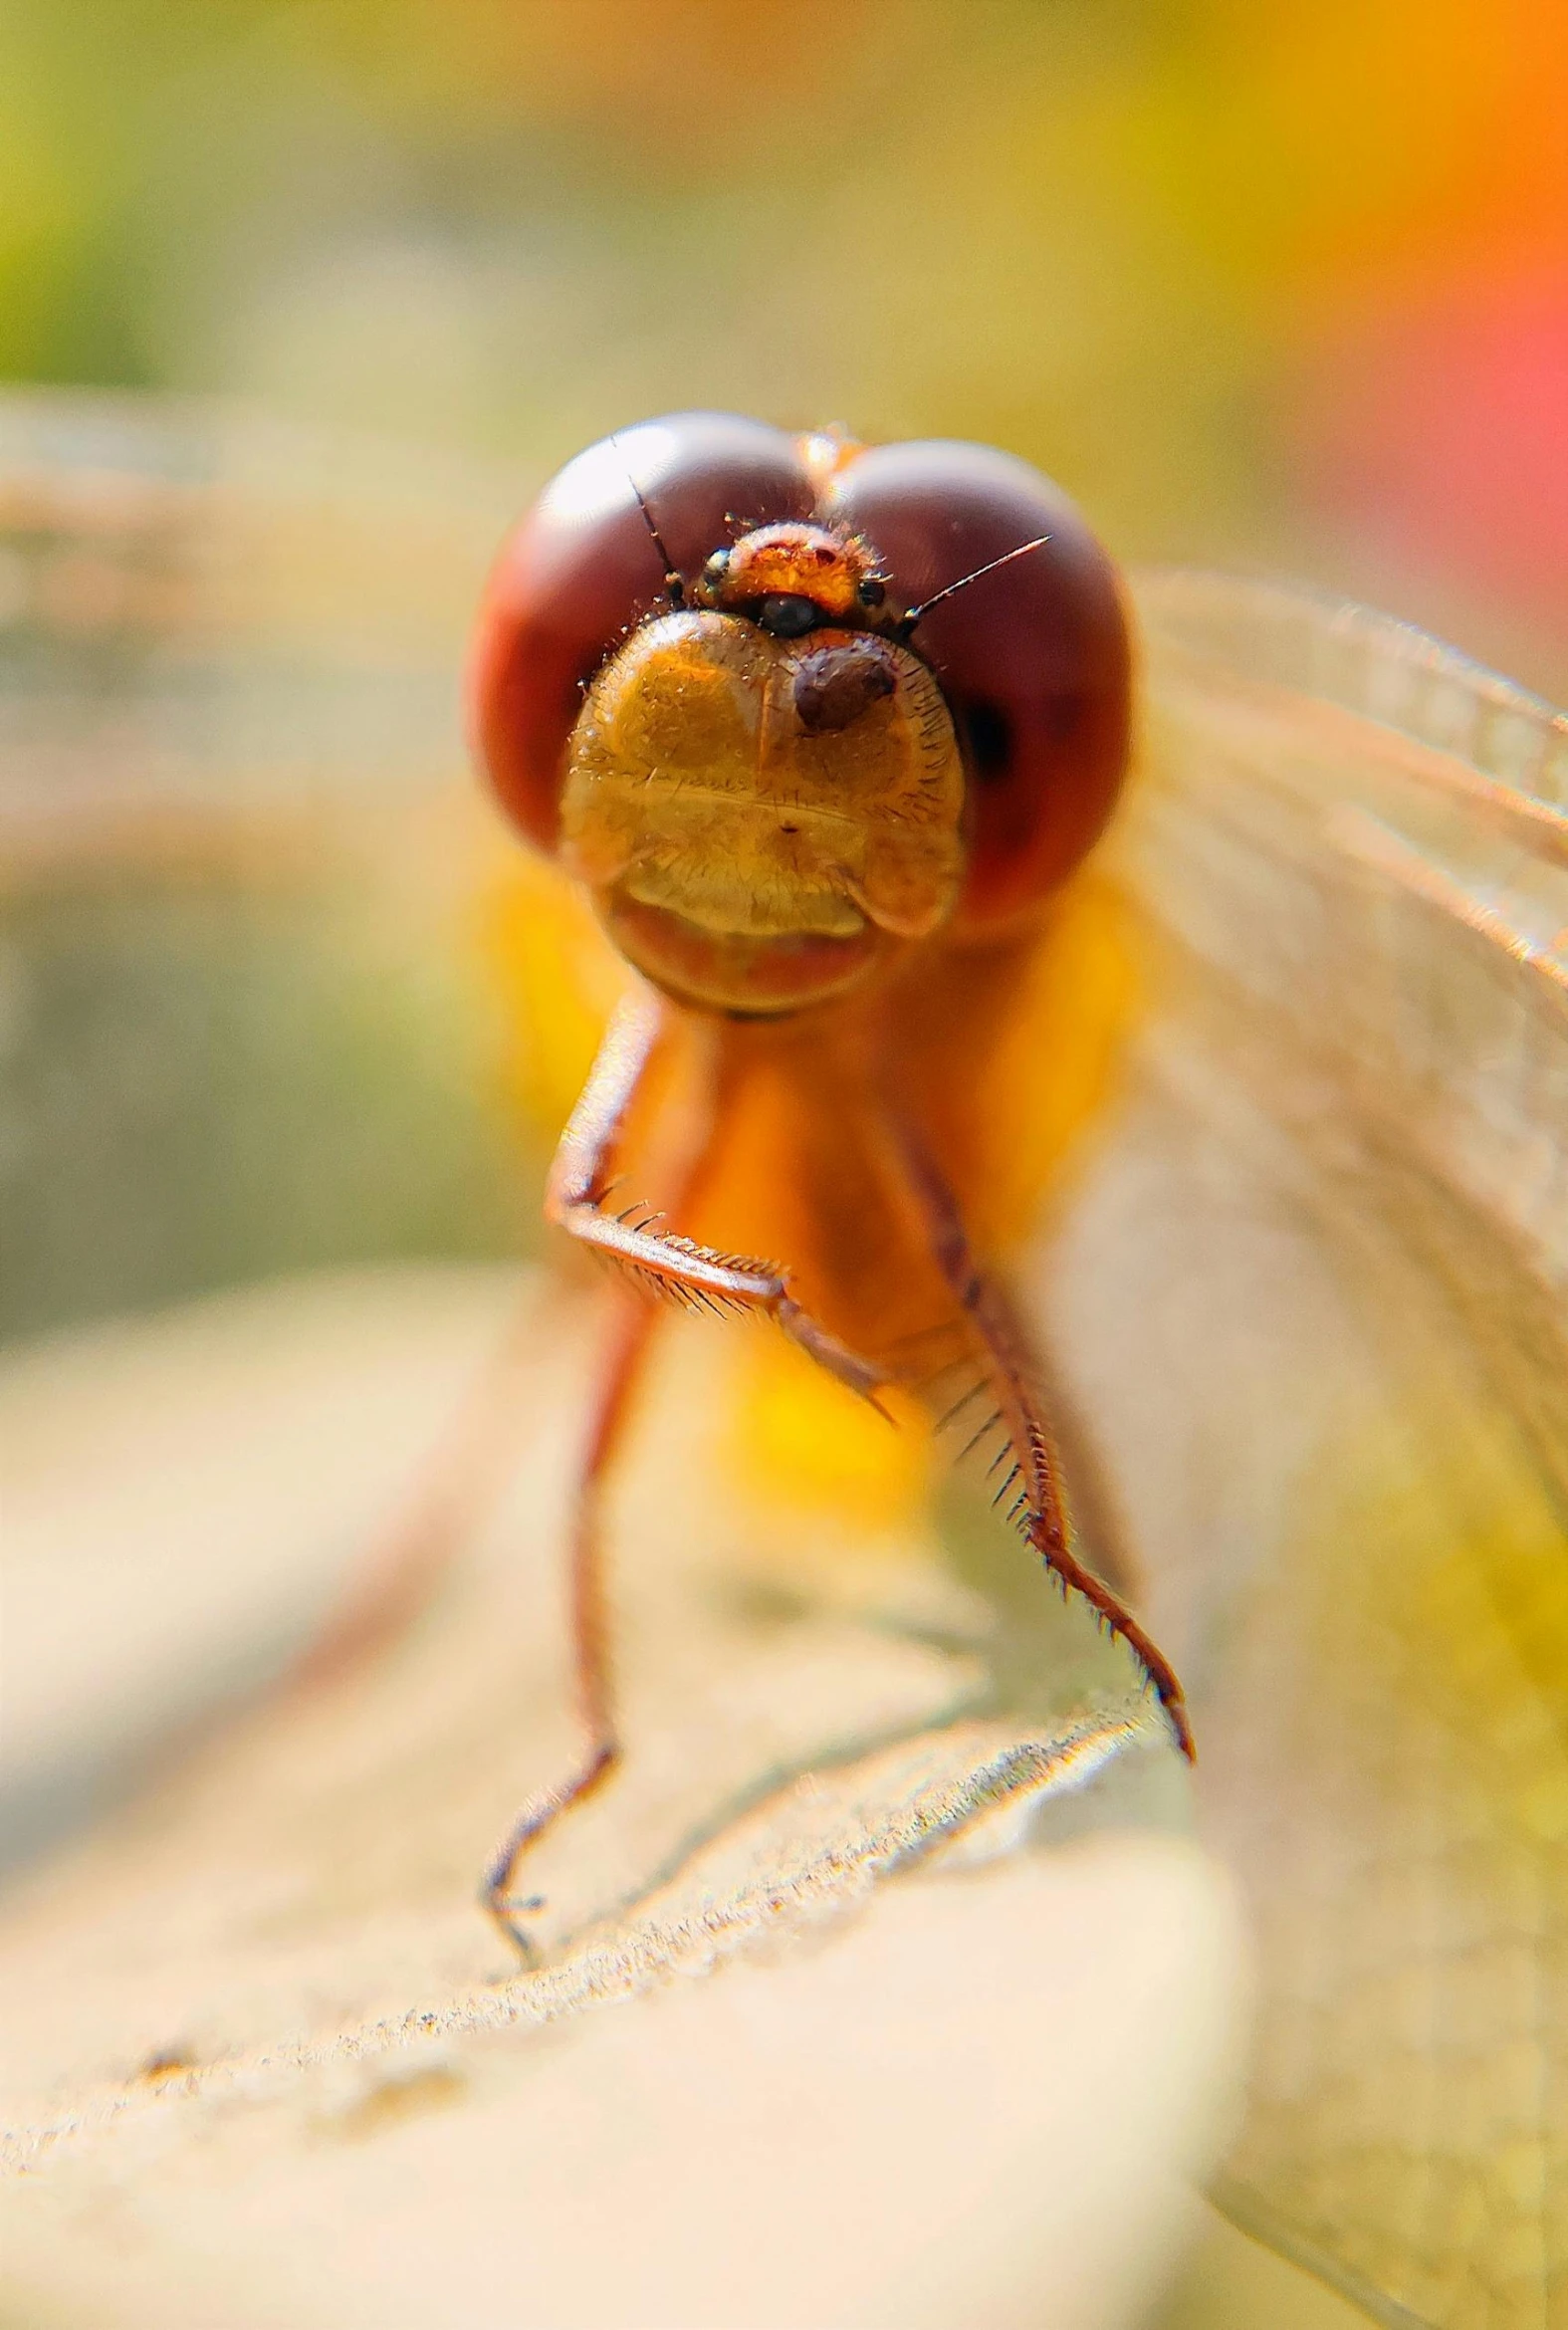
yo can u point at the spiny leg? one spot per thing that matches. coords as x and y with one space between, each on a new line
961 1399
1032 1470
659 1262
663 1262
586 1152
464 1477
468 1469
621 1370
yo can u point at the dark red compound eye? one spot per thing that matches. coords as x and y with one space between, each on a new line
582 569
1034 659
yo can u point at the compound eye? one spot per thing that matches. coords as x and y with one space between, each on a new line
1034 659
582 570
871 591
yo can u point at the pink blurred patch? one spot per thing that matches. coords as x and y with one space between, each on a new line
1441 437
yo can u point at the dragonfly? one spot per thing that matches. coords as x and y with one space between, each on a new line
1122 1018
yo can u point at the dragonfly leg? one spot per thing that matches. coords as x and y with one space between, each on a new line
1035 1481
600 1750
660 1261
1096 1508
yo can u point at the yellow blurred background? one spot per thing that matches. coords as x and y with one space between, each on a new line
1283 287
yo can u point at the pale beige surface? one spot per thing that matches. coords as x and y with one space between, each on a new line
771 2089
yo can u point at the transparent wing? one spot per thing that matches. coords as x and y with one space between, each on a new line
202 613
1315 1290
238 841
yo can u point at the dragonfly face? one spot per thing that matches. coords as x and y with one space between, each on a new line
763 821
871 694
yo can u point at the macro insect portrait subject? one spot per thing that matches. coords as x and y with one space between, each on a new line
783 1165
822 729
1107 1034
827 733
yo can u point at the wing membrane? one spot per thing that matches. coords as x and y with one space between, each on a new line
208 619
1314 1290
241 856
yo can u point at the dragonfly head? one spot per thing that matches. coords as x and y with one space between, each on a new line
789 705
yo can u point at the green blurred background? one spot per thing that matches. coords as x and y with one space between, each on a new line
1287 287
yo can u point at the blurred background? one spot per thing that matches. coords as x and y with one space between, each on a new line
1288 283
298 301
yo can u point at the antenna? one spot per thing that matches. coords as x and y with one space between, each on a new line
674 581
916 613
